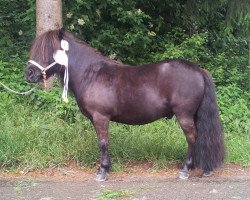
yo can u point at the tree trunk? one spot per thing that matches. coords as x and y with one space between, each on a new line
48 15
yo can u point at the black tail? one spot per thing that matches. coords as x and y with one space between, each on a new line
210 150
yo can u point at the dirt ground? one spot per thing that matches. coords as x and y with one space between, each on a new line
136 182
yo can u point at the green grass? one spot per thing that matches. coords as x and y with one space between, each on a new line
114 194
35 139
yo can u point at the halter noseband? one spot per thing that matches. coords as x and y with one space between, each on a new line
61 58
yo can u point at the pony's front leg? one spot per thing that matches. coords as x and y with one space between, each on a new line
101 124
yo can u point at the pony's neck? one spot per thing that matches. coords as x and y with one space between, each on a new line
84 62
81 55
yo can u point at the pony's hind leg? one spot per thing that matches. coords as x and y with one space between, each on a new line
101 124
188 127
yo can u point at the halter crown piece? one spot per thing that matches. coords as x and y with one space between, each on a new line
60 58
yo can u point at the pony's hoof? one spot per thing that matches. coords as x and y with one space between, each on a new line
101 175
183 175
207 173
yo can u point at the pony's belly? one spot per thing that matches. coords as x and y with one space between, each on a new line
136 121
139 117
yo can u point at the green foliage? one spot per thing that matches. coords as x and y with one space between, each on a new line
234 105
115 194
189 48
17 26
113 27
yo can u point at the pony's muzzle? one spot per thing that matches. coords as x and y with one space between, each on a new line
32 75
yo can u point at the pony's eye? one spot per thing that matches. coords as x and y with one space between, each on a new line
30 72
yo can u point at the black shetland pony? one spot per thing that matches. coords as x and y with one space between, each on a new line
107 90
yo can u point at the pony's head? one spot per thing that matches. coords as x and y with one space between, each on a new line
41 63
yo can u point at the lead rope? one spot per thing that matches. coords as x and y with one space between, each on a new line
20 93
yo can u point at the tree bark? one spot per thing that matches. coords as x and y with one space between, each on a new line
48 15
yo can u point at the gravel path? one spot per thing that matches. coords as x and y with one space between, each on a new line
135 186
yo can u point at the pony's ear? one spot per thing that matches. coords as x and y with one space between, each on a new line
61 33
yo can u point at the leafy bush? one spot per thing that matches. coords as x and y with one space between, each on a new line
234 108
189 48
117 28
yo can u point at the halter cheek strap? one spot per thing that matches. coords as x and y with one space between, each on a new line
61 58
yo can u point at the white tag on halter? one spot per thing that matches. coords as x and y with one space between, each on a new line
61 57
64 45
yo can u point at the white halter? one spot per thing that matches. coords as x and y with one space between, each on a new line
61 58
